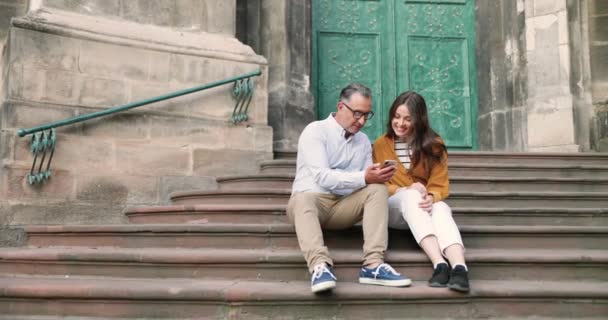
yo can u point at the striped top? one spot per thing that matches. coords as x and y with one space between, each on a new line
402 150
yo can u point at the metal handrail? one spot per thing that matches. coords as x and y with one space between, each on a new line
43 142
24 132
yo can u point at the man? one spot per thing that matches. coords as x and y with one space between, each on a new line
336 186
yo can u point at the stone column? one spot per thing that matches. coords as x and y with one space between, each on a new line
550 100
501 75
281 32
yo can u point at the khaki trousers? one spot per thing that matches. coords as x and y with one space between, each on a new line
310 212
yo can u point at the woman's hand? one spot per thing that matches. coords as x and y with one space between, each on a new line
418 187
427 202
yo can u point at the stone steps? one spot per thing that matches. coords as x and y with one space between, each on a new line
247 299
272 196
536 169
493 157
267 236
457 183
243 213
34 317
289 265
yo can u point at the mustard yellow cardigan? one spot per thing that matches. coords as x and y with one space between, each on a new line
436 182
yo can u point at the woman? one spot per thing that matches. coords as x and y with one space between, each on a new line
419 186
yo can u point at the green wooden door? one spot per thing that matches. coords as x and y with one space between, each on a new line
422 45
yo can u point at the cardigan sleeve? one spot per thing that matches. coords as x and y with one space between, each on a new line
382 151
439 183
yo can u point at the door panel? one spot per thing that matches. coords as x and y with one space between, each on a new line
350 42
436 54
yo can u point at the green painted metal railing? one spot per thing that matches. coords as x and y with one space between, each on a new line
44 137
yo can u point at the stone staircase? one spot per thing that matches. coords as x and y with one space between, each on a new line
535 227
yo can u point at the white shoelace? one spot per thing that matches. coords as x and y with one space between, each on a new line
319 270
386 266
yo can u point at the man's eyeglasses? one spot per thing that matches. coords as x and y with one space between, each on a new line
359 114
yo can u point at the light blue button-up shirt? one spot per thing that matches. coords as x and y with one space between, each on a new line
329 163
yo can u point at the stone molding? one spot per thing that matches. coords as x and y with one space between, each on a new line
101 29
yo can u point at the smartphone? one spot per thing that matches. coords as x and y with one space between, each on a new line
387 163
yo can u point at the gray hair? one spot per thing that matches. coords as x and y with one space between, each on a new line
353 88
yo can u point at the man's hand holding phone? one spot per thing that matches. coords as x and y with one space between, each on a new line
380 173
387 163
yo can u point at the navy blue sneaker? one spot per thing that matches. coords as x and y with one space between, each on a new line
459 279
383 275
323 278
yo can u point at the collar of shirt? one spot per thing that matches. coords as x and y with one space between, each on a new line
337 128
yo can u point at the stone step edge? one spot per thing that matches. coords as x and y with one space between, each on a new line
484 165
251 291
177 256
281 208
290 177
286 192
285 228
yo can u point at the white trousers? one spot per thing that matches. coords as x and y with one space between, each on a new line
404 212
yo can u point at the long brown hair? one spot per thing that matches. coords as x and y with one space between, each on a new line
425 143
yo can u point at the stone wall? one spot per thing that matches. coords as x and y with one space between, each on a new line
502 75
63 63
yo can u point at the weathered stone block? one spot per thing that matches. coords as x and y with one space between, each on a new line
102 92
159 66
12 237
7 11
60 87
239 137
542 7
118 189
519 130
485 136
171 184
599 7
23 115
541 32
221 16
500 125
207 162
33 48
157 12
75 154
59 186
113 61
66 212
144 90
544 73
529 7
215 103
189 14
7 141
25 83
263 139
558 148
137 158
549 126
119 126
89 7
182 131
